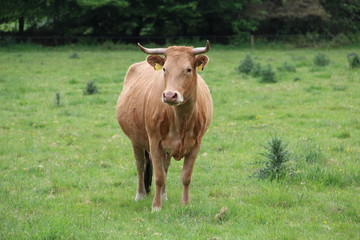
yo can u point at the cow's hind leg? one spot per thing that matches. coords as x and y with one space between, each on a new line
148 172
140 166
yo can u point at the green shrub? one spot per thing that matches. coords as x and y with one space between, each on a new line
287 68
240 38
73 81
268 75
87 41
90 88
321 60
256 71
343 135
74 56
276 154
354 37
246 65
7 42
108 44
354 60
307 40
339 88
340 41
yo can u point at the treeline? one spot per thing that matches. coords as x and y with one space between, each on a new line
179 17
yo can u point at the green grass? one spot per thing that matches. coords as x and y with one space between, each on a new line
67 171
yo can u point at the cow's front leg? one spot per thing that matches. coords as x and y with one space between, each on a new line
166 165
158 158
187 172
140 166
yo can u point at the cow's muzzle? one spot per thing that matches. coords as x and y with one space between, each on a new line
172 98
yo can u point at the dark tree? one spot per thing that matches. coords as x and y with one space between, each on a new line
166 18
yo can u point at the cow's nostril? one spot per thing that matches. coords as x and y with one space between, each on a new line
170 96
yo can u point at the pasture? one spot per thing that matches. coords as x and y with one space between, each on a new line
67 171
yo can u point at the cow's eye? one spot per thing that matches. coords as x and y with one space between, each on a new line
188 70
164 69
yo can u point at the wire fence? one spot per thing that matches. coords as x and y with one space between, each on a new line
62 40
242 39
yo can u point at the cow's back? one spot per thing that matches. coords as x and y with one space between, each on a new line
205 106
130 108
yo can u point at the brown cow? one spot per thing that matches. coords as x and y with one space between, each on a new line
165 114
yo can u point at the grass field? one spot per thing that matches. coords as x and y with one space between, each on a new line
67 171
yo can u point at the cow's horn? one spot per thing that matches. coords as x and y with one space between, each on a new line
200 50
153 51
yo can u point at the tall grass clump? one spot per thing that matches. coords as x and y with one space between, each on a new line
57 99
321 60
310 152
275 155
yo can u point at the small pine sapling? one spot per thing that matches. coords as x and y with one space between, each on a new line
90 88
276 154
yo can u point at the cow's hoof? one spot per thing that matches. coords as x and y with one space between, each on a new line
155 209
185 203
164 196
140 196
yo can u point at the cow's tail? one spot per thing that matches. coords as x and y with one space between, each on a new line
148 172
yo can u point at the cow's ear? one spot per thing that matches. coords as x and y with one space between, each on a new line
156 62
201 61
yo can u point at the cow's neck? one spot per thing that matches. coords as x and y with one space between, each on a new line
184 114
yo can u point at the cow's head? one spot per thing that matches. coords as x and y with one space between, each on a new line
179 66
